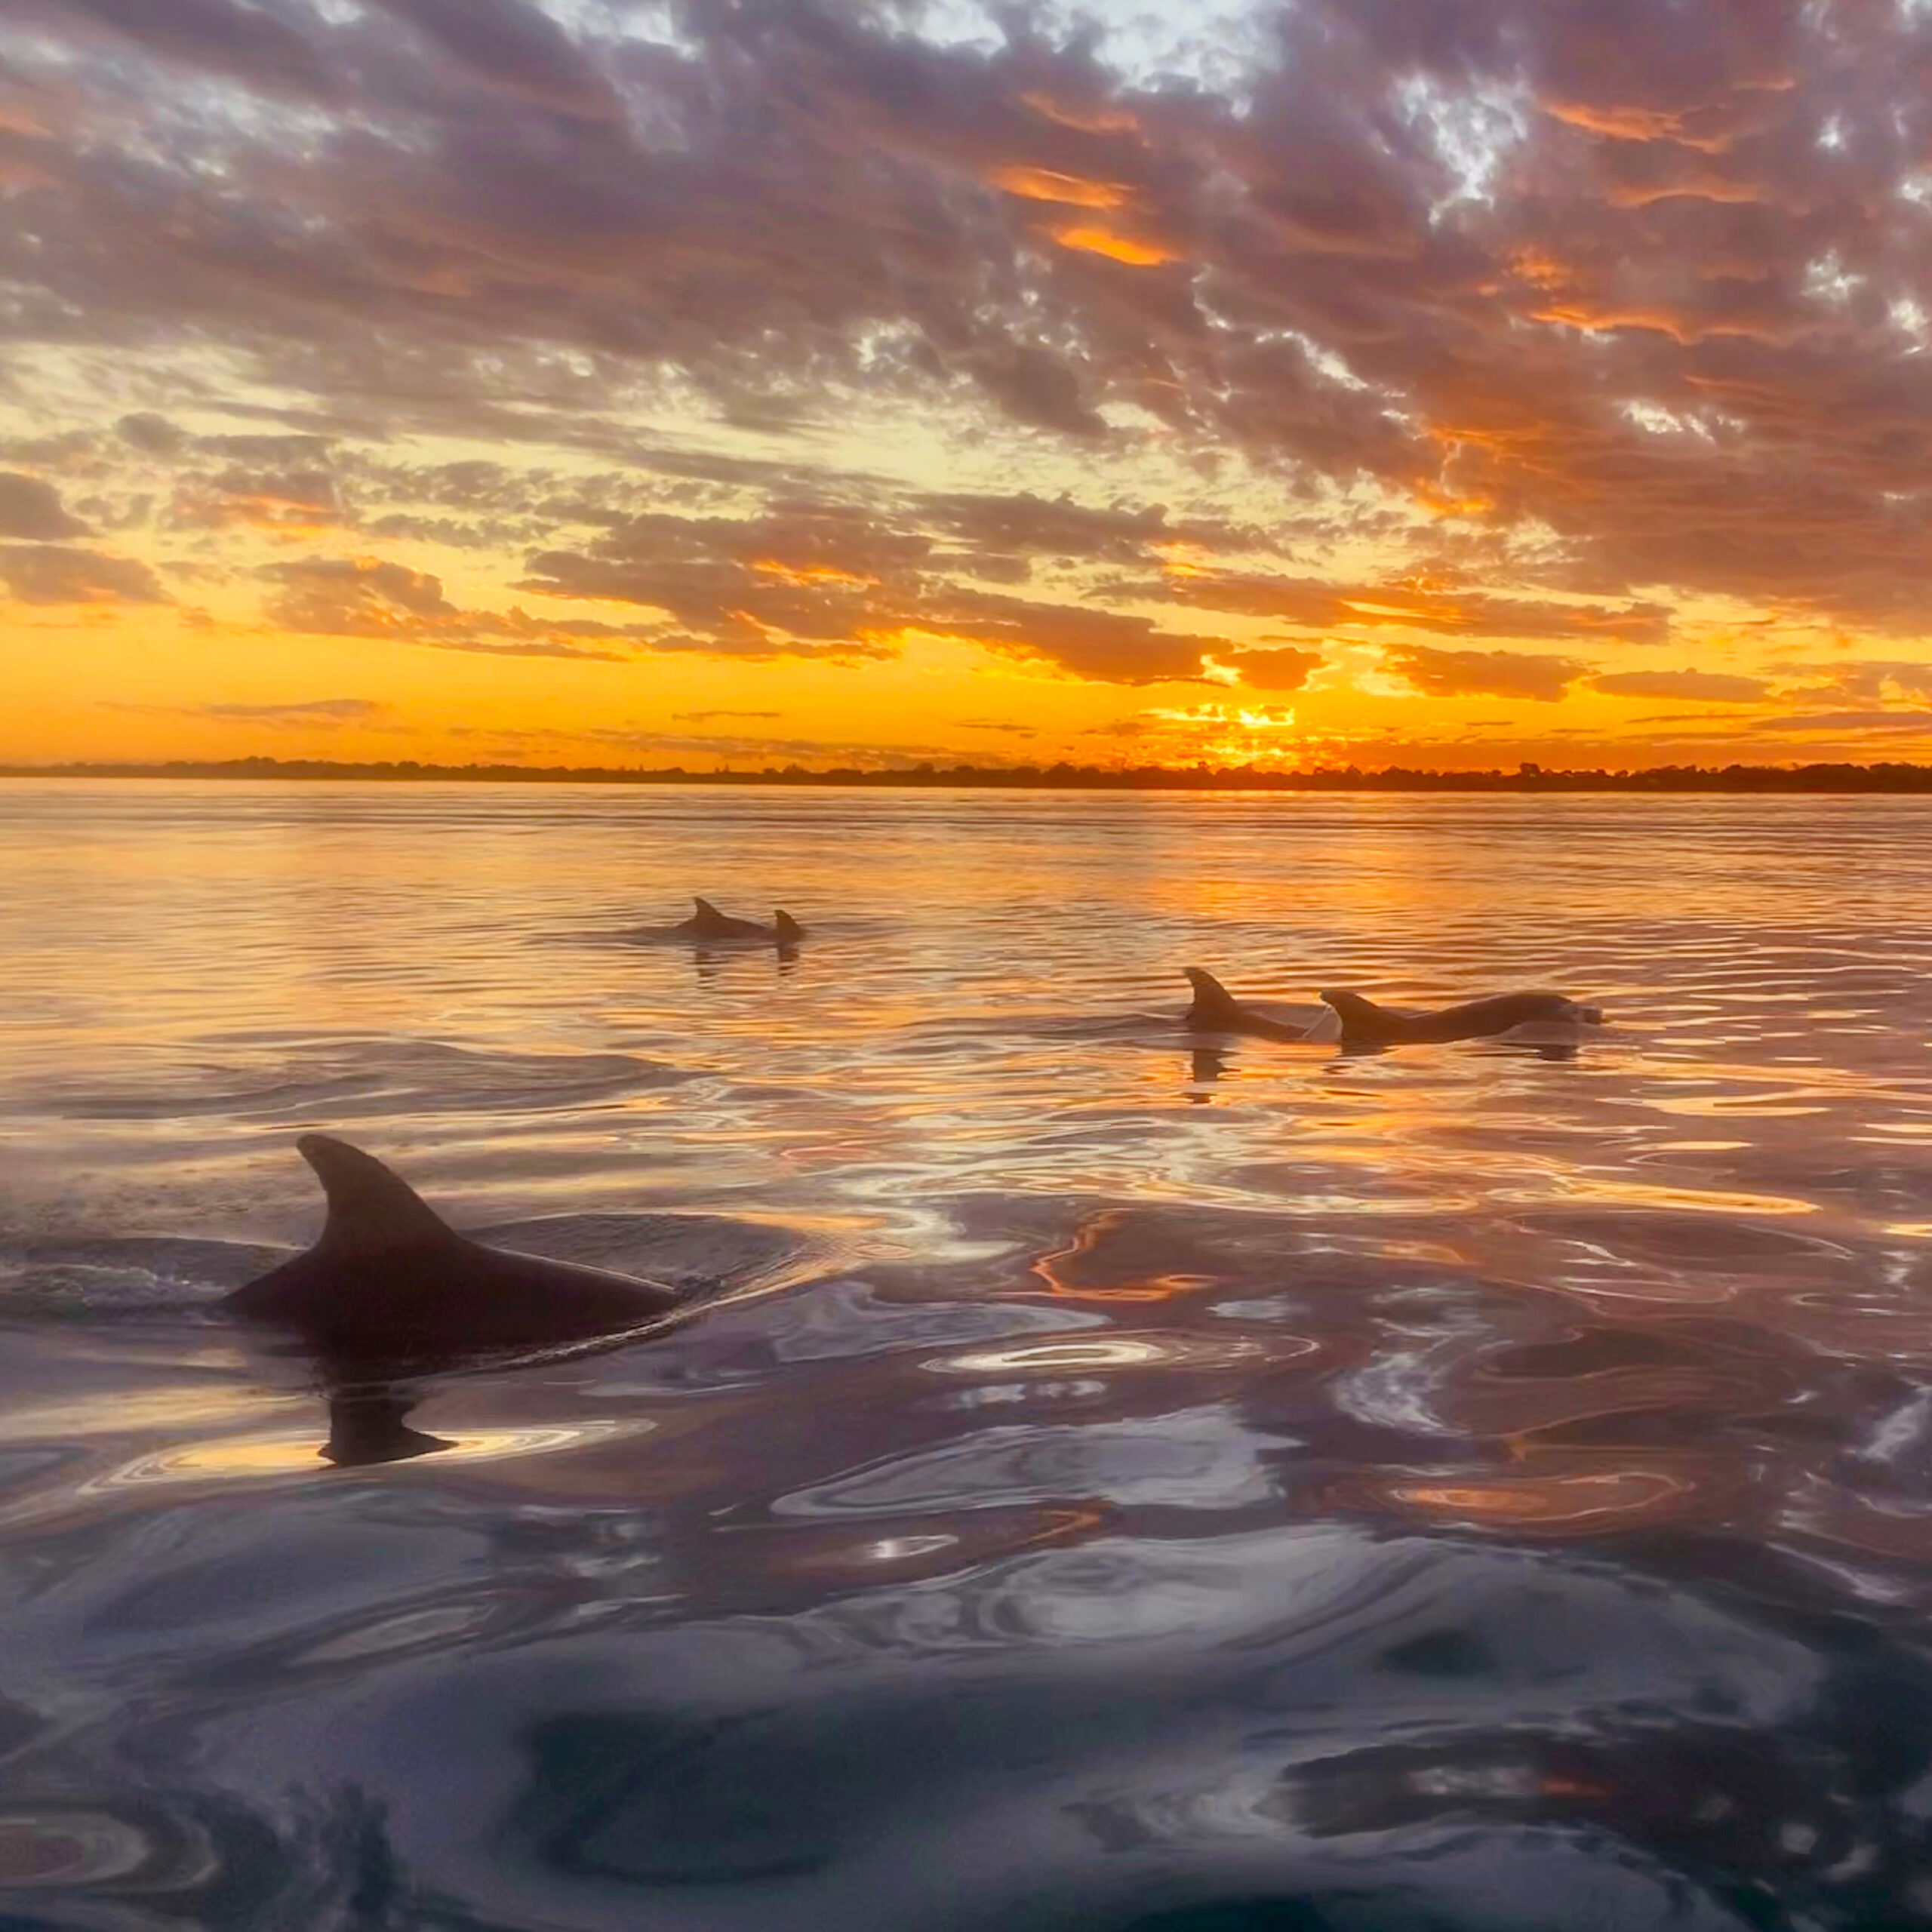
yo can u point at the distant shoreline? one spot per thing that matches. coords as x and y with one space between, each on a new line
1802 779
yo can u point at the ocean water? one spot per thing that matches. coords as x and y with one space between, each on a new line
1102 1486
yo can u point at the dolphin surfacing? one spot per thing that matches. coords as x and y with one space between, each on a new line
390 1278
1215 1010
1363 1023
707 922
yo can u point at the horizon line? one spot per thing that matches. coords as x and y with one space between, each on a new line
1885 776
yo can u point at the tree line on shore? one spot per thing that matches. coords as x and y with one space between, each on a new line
1525 777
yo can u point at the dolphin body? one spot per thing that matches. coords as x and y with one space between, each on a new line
390 1282
708 922
1363 1023
1215 1010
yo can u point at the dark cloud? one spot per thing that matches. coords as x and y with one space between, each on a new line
56 573
1718 685
821 580
1632 294
250 44
279 502
803 580
1484 673
354 597
152 435
705 717
368 597
31 508
1105 646
1401 605
1000 537
515 48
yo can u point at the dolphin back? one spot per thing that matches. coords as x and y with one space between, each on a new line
390 1280
1364 1021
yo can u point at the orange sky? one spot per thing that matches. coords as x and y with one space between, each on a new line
569 383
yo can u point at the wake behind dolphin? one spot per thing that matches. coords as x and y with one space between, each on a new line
389 1279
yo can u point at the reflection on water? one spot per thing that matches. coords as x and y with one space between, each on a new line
1114 1484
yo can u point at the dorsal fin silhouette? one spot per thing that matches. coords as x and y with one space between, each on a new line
787 928
370 1208
708 915
1212 1000
1356 1012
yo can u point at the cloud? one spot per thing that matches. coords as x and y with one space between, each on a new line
30 508
993 531
354 596
329 710
819 579
705 717
368 597
151 434
248 44
515 49
634 741
56 573
1906 721
286 503
803 579
1516 324
1484 673
323 713
1105 646
1286 669
1717 685
1401 605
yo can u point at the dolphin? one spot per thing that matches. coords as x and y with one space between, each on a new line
708 922
1363 1023
1215 1010
389 1281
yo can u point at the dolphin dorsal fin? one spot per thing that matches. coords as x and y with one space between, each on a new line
787 928
1212 1000
707 916
1354 1010
370 1208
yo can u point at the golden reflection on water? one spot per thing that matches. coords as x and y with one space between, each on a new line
1596 1500
130 1412
1055 1268
251 1458
1119 1351
972 1074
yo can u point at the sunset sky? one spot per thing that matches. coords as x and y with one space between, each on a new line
744 382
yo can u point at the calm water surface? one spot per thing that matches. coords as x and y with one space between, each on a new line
1106 1487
